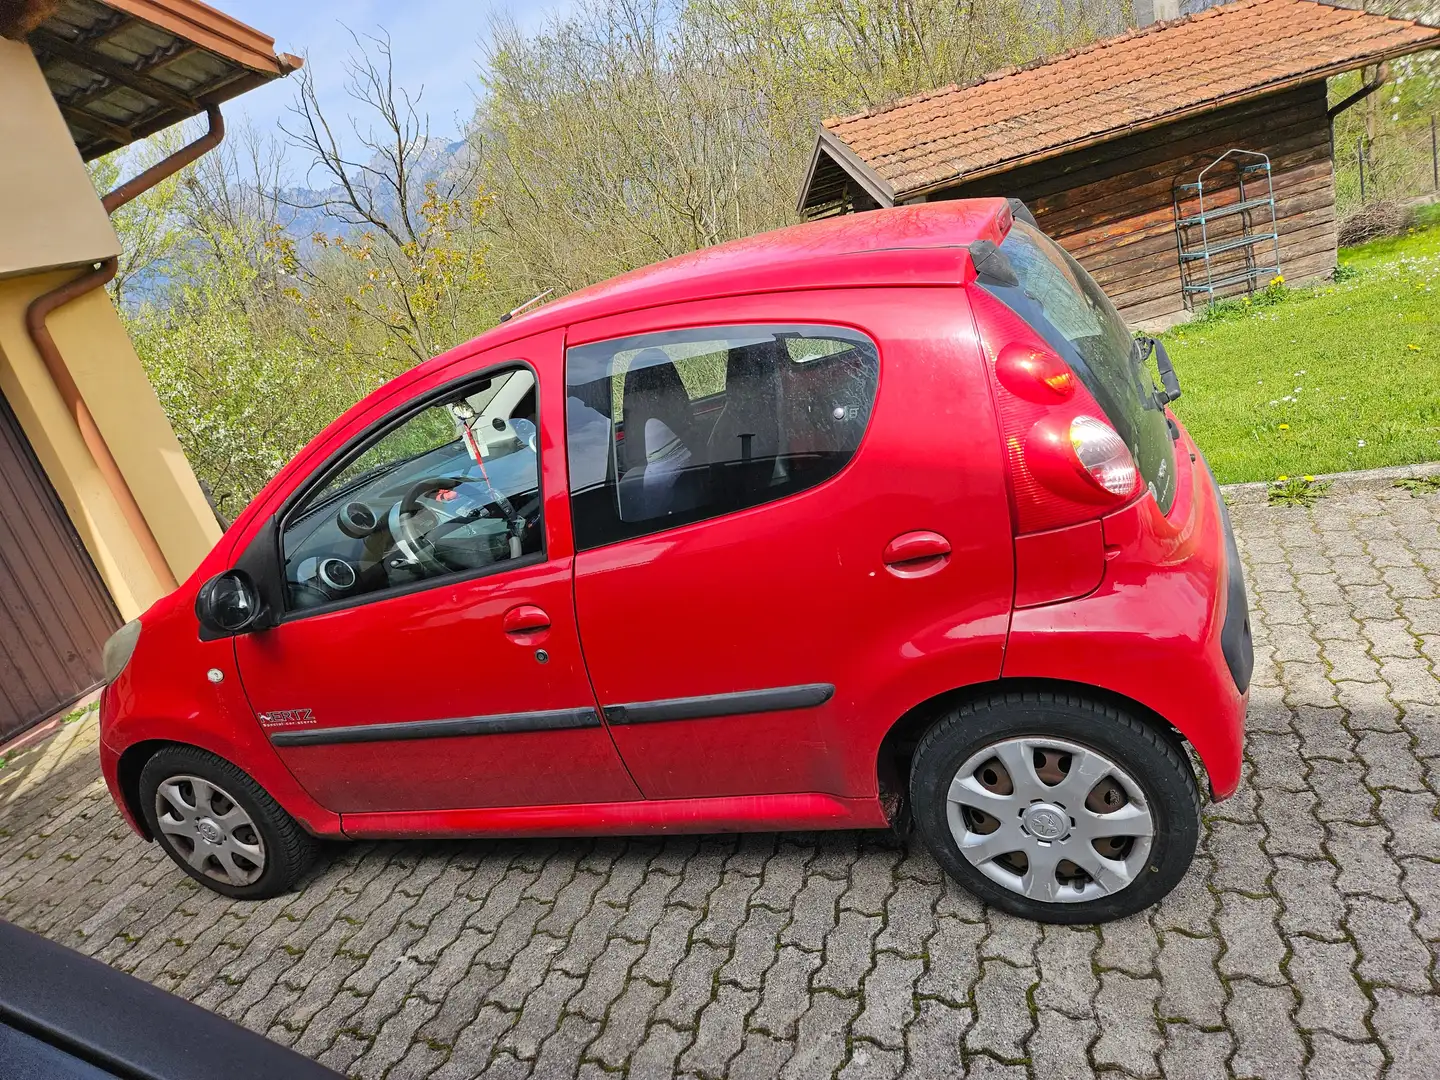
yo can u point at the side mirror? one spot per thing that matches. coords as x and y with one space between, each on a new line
228 604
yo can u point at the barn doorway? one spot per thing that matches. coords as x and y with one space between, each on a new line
55 612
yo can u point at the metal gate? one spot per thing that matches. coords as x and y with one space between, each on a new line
55 612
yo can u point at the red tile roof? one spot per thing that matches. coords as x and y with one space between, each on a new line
1137 80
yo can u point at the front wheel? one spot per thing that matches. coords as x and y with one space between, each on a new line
220 826
1055 808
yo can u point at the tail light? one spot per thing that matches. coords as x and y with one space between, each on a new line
1067 464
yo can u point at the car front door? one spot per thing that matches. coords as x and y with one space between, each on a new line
428 656
792 525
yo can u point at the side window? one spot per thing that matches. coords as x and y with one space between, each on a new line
450 488
668 428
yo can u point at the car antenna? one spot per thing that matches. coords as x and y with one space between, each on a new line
528 303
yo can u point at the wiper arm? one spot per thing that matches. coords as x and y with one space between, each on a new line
1169 381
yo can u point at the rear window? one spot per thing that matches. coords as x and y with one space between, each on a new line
1059 299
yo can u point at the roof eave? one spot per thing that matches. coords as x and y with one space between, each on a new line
827 142
921 190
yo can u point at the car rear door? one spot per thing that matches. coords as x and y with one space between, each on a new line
792 526
449 674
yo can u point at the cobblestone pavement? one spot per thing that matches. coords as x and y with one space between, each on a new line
1303 943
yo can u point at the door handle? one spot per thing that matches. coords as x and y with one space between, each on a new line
916 554
525 619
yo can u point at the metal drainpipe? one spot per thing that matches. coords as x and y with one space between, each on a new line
40 309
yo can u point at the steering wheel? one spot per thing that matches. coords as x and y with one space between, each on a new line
413 525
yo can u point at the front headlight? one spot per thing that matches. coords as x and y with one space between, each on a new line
119 648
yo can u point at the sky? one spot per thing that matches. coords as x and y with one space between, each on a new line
435 43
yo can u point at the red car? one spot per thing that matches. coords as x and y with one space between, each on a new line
865 522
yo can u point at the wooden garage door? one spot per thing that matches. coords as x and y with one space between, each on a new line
55 612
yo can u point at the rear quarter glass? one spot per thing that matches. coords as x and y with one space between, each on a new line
1061 301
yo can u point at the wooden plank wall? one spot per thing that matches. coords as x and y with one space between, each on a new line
1110 205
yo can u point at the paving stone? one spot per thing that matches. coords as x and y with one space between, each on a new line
668 943
1129 945
1245 867
820 1045
1335 1059
889 991
1365 865
1254 946
909 918
1390 953
1409 1029
952 962
1330 998
786 992
540 1015
727 909
1057 1050
1309 901
560 1054
1389 761
1191 905
1421 882
755 948
655 1058
1290 824
1193 1054
1129 1038
1412 822
720 1033
848 954
934 1040
1340 791
871 1062
1266 1045
692 985
1068 982
1191 980
761 1058
1002 1012
625 1024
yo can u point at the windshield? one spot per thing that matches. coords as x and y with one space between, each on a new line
1059 299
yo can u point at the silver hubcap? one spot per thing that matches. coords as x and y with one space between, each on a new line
1050 819
208 830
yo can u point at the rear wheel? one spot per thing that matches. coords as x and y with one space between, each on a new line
220 826
1055 808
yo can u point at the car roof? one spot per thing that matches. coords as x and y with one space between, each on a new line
913 245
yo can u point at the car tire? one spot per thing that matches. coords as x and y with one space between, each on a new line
220 826
964 797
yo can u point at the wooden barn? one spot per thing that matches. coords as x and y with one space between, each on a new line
1107 145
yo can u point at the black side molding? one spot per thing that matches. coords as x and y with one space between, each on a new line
779 699
504 724
56 1004
1236 643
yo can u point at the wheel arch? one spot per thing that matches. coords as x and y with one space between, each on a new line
128 768
897 747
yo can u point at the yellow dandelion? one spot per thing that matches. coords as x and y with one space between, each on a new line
1309 479
1282 479
1415 347
1284 427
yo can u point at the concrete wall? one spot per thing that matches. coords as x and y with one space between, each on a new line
51 217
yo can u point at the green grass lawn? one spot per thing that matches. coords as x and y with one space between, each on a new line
1344 375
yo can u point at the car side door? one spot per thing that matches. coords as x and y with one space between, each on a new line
792 526
427 656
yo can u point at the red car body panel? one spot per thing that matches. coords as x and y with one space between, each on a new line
894 582
1151 631
796 592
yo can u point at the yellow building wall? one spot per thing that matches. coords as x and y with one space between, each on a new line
49 215
103 363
